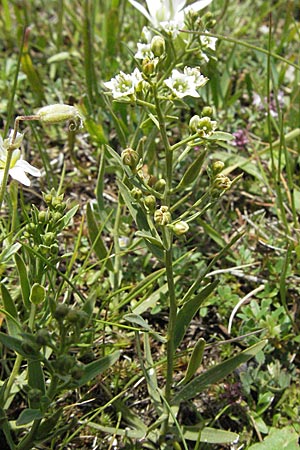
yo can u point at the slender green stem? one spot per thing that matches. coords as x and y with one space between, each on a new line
14 373
28 442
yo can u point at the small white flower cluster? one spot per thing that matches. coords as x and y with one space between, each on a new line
186 83
18 166
125 85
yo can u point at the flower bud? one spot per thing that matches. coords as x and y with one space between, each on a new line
160 185
61 311
148 67
158 46
150 202
48 238
179 228
136 193
194 124
43 337
130 158
59 113
43 216
207 111
217 167
221 182
162 216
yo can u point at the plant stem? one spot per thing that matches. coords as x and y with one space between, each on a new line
13 375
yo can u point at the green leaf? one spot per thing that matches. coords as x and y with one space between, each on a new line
97 367
66 219
216 373
9 251
192 172
95 237
138 320
284 439
36 378
210 435
47 426
188 310
37 294
220 136
29 415
11 313
24 281
150 238
195 360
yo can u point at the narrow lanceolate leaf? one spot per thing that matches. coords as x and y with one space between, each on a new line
11 315
188 310
216 373
195 360
29 415
24 281
210 435
36 378
95 237
192 172
97 367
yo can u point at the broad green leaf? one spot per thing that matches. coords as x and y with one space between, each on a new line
15 344
11 317
216 373
95 236
37 294
192 172
195 360
210 435
97 367
188 310
24 281
283 439
29 415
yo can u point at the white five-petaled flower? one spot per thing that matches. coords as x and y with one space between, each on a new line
18 166
144 51
124 85
186 83
160 11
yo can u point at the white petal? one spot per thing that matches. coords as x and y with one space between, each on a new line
141 8
197 5
17 173
26 167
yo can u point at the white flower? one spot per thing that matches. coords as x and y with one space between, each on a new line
184 84
18 166
124 85
171 27
196 76
167 10
208 42
144 51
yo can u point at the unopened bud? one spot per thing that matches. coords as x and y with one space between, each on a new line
217 167
158 46
136 193
160 185
162 216
150 202
148 67
57 113
179 228
221 182
207 111
130 158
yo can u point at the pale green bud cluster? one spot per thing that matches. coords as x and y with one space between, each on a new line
162 216
158 46
130 158
203 126
179 228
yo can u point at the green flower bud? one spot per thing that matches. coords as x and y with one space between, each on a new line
136 193
160 185
77 372
64 364
158 46
130 158
57 113
148 67
207 111
179 228
194 124
47 198
61 311
221 182
48 238
150 202
217 167
43 216
56 216
162 216
43 337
